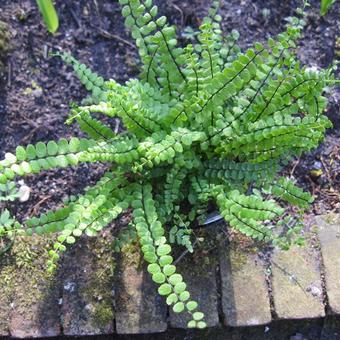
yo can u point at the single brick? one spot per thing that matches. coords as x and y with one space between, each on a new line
5 295
139 308
296 284
199 273
88 294
35 293
329 235
245 300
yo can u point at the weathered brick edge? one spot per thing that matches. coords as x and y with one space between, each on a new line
232 287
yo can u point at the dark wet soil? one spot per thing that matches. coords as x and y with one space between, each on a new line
36 90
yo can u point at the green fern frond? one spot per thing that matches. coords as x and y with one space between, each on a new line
91 80
42 156
157 251
288 191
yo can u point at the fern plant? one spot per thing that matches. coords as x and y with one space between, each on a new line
205 123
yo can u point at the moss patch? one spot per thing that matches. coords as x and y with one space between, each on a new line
26 284
132 255
26 262
98 291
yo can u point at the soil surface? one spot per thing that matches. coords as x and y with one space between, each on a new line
36 90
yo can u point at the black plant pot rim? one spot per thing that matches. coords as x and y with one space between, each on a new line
212 218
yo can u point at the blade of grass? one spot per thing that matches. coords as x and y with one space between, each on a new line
49 14
325 5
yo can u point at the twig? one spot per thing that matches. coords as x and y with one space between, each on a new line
313 185
109 35
9 74
294 167
97 10
327 172
75 18
117 125
35 208
180 11
28 137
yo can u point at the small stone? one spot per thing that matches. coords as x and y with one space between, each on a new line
315 291
251 21
317 165
24 191
69 287
37 93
